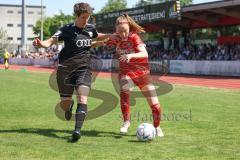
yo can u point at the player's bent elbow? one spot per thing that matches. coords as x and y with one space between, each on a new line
146 54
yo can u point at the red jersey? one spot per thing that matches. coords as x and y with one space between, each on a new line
136 66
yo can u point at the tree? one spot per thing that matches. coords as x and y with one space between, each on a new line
52 24
4 42
114 5
147 2
143 3
186 2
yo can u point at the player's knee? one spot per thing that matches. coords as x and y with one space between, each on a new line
83 90
127 86
149 87
149 91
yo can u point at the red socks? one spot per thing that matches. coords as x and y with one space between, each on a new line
125 106
156 113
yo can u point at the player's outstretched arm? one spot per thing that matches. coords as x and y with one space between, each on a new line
98 43
102 36
44 44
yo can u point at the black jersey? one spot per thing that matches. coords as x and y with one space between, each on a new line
77 41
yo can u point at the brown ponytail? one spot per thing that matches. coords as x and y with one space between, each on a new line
134 27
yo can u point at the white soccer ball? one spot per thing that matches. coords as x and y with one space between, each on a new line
146 132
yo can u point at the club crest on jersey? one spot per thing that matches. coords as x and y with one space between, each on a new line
83 42
90 34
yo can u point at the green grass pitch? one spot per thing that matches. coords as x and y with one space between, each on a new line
199 124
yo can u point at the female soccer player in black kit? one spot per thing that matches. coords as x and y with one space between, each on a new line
73 71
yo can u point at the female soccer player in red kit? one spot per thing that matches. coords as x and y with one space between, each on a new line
134 69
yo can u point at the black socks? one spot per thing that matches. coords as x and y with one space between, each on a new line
81 113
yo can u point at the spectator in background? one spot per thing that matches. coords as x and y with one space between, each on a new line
6 58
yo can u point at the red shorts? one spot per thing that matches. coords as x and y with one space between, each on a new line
140 80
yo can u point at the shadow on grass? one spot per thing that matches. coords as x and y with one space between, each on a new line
137 141
53 133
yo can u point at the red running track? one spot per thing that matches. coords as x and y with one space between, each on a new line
232 83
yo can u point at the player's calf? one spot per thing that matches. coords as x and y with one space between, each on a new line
67 106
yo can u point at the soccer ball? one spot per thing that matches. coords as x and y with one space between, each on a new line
146 132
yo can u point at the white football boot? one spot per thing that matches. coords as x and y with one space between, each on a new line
159 132
124 128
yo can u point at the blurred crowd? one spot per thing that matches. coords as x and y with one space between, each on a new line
188 52
49 53
193 52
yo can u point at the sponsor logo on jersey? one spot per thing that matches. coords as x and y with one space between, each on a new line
84 42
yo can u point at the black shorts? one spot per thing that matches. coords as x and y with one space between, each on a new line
68 80
5 60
